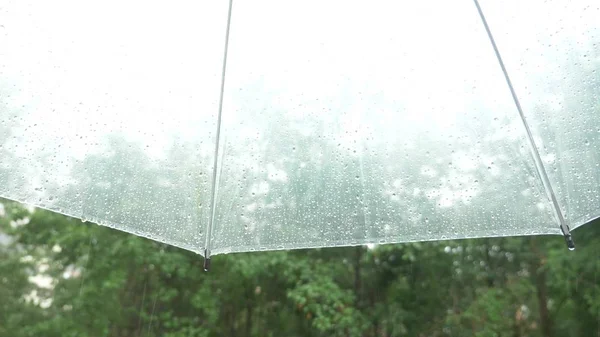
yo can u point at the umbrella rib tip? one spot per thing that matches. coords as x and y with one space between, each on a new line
566 231
206 260
570 242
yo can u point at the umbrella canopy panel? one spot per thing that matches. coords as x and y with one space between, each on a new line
354 122
342 123
108 111
552 51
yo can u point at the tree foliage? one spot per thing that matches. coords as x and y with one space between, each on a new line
102 282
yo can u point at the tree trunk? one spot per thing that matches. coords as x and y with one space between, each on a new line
375 322
542 294
249 320
540 276
232 331
357 278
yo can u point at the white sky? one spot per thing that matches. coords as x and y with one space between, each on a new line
99 67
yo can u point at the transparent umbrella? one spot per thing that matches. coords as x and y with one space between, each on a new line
263 125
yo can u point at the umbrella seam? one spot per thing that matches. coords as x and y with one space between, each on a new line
539 165
207 242
363 203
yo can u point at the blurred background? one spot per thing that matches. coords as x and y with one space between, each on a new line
62 277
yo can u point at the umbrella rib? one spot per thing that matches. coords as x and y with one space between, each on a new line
564 227
207 243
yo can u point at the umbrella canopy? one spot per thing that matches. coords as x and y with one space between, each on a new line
293 124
